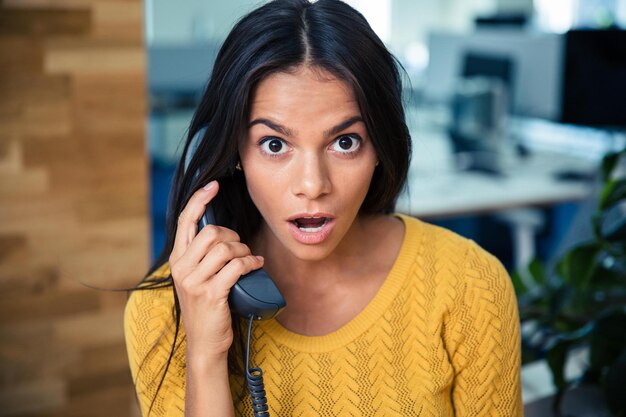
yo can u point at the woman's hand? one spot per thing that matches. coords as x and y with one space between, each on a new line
204 268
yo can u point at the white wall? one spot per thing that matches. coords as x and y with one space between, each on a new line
524 6
186 21
398 22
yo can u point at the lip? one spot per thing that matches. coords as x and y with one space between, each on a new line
318 214
311 238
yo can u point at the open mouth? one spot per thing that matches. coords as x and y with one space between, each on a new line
310 224
311 229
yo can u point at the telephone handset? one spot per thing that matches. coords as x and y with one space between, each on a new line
254 294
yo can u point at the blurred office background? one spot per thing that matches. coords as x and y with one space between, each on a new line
511 105
507 71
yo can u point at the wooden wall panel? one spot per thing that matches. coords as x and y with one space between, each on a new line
73 203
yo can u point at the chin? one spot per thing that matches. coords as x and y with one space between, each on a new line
310 253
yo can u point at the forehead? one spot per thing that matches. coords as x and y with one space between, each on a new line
303 91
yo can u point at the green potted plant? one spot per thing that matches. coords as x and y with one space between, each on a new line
582 301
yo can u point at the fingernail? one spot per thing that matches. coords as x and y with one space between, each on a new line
260 258
209 186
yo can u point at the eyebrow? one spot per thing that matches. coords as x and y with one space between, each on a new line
290 133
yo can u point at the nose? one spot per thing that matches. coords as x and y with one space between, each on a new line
310 177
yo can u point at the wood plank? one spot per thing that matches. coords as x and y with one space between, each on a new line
33 353
118 12
15 281
112 300
88 60
87 384
32 397
23 89
10 245
42 118
50 4
99 99
90 330
108 206
20 215
117 21
124 268
31 182
98 360
11 161
20 55
112 401
73 202
58 305
44 22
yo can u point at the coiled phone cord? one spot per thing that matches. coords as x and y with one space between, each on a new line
254 377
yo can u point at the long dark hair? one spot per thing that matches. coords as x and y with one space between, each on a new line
280 36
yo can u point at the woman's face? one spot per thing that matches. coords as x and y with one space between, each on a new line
308 161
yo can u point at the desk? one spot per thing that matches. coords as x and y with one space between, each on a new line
436 189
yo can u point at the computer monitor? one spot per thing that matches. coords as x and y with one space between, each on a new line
594 81
536 57
489 65
498 66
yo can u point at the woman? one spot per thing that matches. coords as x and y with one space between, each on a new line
305 151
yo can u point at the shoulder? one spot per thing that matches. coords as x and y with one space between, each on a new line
149 312
153 339
470 288
146 298
453 260
429 242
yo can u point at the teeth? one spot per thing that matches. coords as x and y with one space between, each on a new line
312 229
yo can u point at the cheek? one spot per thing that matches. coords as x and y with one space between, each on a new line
353 184
355 179
264 186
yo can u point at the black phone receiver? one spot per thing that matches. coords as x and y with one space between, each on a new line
254 294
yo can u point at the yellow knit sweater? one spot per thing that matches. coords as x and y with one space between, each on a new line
440 338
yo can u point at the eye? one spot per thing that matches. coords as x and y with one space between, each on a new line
347 144
273 146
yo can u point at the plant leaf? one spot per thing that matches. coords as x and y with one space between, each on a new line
608 339
596 224
556 358
607 279
579 264
613 192
615 386
617 232
518 284
562 268
537 271
608 164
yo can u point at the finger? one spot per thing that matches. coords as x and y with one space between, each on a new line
202 244
206 240
233 270
188 219
220 255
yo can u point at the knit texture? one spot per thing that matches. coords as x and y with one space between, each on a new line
440 338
